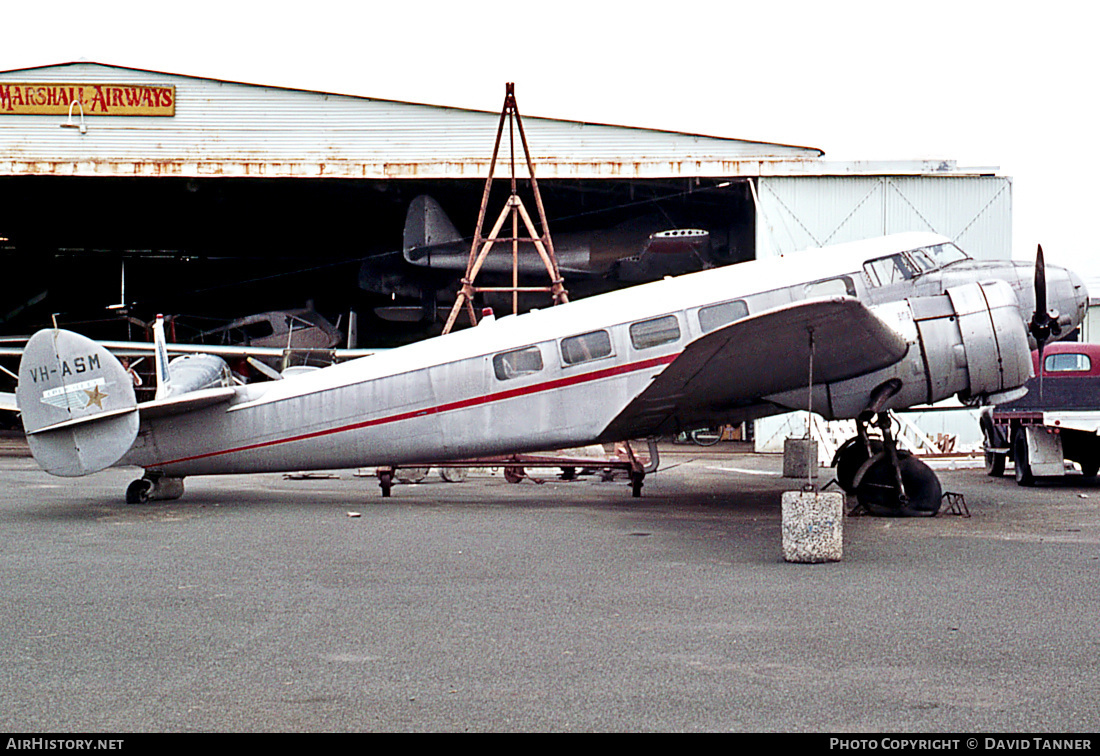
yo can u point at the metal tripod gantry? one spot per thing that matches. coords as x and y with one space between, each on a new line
481 246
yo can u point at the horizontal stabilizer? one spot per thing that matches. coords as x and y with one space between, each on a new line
77 403
192 400
765 354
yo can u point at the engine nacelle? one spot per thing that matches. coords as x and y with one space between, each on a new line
969 341
193 372
979 331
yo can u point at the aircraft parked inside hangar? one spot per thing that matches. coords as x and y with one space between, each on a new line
434 255
879 324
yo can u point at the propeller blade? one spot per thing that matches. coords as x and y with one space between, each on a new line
1040 283
1040 325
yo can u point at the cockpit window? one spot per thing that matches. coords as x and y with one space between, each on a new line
935 256
946 253
889 270
912 263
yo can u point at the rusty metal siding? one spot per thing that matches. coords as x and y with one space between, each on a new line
813 211
227 128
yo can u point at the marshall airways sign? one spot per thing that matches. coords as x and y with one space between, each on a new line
52 98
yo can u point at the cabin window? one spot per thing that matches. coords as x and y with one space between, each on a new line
888 270
587 346
1067 363
517 362
716 316
651 333
833 287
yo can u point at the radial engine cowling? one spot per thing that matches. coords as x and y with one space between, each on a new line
973 341
969 341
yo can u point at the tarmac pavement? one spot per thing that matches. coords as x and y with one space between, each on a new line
259 603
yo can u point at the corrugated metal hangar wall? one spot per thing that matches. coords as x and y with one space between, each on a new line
813 211
228 198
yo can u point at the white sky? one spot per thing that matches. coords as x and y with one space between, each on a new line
981 83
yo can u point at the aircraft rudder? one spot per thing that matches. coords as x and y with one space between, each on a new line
426 225
77 402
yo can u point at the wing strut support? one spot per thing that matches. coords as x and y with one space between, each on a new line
481 246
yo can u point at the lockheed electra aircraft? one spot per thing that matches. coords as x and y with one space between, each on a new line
851 330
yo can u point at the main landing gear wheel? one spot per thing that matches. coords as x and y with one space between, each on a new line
886 481
877 490
850 457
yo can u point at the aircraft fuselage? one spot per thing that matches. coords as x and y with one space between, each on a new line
560 377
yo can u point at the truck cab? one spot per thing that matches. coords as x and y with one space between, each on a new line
1058 420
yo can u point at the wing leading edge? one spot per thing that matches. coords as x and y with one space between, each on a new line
769 353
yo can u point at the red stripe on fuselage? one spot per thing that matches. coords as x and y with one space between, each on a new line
439 409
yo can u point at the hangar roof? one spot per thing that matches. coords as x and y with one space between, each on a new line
148 123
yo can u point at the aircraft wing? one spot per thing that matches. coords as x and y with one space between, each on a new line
740 364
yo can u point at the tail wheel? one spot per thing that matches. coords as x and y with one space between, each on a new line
138 491
878 494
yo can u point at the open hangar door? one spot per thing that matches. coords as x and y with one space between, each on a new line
218 248
814 211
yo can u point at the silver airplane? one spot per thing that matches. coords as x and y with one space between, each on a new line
850 331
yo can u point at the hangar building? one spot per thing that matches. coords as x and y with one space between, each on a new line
173 193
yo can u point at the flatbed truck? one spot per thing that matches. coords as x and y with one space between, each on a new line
1056 422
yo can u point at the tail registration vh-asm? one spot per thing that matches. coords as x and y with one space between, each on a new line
892 322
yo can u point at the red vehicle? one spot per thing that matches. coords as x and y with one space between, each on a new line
1058 419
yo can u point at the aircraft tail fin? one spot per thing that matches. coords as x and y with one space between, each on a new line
77 402
426 226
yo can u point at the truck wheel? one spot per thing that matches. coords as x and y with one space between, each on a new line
1024 476
994 464
1090 468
